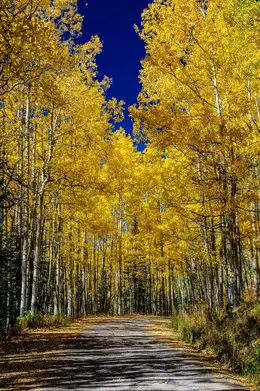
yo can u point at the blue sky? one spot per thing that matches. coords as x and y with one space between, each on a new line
123 50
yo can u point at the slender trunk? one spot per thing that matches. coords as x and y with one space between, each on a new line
25 208
36 259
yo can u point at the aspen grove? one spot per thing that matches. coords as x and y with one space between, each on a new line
89 224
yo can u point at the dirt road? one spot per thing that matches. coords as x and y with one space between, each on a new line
114 355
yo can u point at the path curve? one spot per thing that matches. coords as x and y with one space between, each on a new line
121 355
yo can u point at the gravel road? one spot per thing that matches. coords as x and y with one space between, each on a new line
120 355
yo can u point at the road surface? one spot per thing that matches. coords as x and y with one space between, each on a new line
122 355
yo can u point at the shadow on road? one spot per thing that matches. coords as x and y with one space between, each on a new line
113 355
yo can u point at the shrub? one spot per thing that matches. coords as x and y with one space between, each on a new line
31 320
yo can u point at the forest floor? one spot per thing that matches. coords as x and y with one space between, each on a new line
116 354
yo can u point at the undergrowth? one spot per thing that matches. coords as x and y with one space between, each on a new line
233 338
31 321
38 320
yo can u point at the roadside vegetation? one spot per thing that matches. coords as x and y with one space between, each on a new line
232 337
32 321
